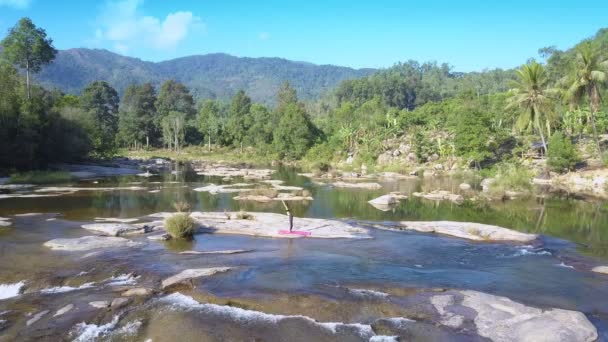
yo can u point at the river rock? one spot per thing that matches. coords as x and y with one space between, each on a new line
501 319
119 302
87 243
5 223
100 304
469 230
486 183
160 237
440 195
368 186
138 291
223 189
600 269
384 200
36 317
228 251
116 219
189 274
64 310
112 229
269 224
465 186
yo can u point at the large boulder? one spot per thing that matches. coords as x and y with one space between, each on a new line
440 195
189 274
87 243
269 225
469 230
501 319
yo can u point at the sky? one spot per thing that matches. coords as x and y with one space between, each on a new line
469 35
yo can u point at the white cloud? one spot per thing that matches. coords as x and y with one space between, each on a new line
122 24
17 4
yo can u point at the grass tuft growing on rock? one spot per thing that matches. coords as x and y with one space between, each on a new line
180 226
243 215
41 177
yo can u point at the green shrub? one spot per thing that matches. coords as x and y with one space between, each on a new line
182 206
180 226
562 156
41 177
512 177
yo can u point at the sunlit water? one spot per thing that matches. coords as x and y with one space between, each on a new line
296 277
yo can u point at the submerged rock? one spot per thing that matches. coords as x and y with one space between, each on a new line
138 291
228 251
87 243
469 230
361 185
501 319
189 274
36 317
100 304
64 310
112 229
269 224
440 195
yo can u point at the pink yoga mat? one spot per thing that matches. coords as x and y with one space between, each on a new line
294 232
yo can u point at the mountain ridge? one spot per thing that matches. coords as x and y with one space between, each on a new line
214 75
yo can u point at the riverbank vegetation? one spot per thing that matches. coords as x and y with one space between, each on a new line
401 118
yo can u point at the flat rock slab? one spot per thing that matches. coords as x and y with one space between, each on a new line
501 319
223 189
87 243
269 224
600 269
469 230
280 197
440 196
116 219
112 229
189 274
64 310
361 185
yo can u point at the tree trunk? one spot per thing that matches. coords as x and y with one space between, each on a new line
27 79
593 104
147 142
542 138
241 147
209 141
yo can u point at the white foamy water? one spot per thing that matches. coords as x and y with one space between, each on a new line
62 289
122 279
242 315
382 338
88 332
10 290
562 264
368 293
399 321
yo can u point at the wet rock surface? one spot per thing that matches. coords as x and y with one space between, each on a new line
468 230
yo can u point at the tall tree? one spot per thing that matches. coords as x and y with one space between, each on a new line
239 119
28 47
174 96
100 101
137 114
530 94
174 129
294 134
285 96
209 120
590 73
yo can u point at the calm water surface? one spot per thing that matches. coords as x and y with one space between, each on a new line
314 273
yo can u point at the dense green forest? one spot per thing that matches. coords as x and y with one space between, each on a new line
479 118
216 76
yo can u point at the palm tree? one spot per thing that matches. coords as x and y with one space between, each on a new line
590 72
530 93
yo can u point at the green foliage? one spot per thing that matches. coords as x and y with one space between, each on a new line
510 176
41 177
562 155
137 116
180 226
100 101
294 134
239 119
27 47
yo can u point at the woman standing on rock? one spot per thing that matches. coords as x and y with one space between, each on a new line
290 215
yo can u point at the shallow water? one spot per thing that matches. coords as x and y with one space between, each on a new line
337 280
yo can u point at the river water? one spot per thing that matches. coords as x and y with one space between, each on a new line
279 285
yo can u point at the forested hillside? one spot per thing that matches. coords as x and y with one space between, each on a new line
217 76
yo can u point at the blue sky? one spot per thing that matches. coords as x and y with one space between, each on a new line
469 35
